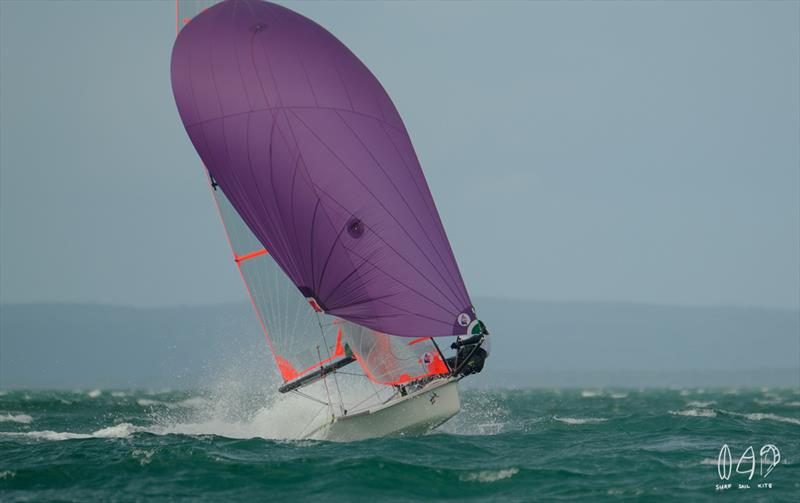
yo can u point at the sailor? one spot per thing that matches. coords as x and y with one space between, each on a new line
471 350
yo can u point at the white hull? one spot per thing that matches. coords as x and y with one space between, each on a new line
414 414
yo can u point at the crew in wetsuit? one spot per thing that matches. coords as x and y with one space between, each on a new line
471 353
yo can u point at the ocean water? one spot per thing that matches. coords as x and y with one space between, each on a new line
505 445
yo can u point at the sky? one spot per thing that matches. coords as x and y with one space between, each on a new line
609 151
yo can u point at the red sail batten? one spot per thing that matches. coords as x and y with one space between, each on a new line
248 256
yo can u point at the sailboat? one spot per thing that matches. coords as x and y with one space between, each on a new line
331 222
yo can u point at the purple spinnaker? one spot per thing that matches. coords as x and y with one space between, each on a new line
311 152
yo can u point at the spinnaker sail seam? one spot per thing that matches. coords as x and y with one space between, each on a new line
430 204
278 108
281 233
408 206
385 209
316 188
405 260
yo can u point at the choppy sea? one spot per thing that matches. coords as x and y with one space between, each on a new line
505 445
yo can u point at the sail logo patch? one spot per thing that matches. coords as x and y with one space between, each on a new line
314 305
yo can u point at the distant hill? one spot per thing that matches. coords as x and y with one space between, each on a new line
533 344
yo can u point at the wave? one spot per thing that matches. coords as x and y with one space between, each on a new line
579 420
146 402
17 418
768 401
700 403
762 416
268 423
144 456
122 430
588 393
485 476
694 413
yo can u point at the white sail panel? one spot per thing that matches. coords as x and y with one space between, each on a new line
300 338
393 360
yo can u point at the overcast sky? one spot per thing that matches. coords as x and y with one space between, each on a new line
623 151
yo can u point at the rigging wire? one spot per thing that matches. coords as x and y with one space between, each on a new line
325 382
335 380
314 399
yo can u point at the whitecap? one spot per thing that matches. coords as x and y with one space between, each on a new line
694 413
16 418
618 396
118 394
579 420
620 492
588 393
7 474
768 401
761 416
94 393
485 476
122 430
145 456
48 435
